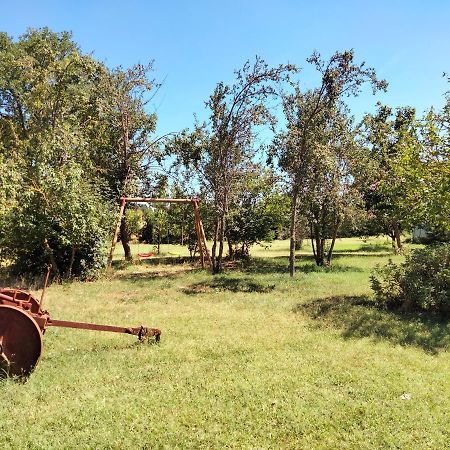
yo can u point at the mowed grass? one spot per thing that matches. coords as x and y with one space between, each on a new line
248 359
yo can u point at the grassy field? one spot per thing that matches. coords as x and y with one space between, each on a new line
248 359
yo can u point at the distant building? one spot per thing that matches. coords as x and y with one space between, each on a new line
420 234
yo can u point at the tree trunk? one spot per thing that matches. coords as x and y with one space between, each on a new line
333 240
125 240
223 208
392 236
294 200
214 246
230 247
397 235
51 256
221 239
72 259
320 243
312 242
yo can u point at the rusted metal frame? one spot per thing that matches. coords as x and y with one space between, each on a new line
21 345
141 331
202 233
8 298
156 200
116 231
197 220
198 231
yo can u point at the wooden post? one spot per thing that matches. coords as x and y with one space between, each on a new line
198 231
201 235
123 202
197 221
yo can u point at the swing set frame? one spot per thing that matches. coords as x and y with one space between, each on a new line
201 238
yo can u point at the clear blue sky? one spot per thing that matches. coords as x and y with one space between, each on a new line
195 44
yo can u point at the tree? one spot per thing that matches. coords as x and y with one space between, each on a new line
46 93
434 170
394 152
220 149
125 149
330 196
307 114
135 221
258 211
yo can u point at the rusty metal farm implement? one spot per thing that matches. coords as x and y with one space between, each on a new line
23 323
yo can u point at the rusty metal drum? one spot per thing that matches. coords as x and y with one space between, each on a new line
20 342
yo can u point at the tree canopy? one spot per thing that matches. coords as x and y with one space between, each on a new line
75 135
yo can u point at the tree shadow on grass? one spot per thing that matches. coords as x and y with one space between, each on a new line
372 248
154 261
359 317
228 284
280 265
144 276
359 254
313 267
267 265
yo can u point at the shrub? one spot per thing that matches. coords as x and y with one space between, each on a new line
422 282
64 221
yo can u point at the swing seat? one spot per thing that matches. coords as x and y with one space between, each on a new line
145 255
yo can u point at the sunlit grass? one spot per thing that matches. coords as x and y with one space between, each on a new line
248 359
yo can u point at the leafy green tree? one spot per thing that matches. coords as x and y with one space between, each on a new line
135 221
61 222
258 212
433 171
147 232
309 115
125 149
219 150
46 94
406 178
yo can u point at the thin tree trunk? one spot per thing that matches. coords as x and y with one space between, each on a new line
221 239
214 246
319 246
333 240
294 200
322 251
72 259
230 246
392 236
51 256
312 242
221 231
397 235
125 240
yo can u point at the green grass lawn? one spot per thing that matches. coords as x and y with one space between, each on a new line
248 359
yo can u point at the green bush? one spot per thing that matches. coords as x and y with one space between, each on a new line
422 282
64 221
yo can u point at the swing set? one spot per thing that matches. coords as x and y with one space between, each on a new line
201 239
